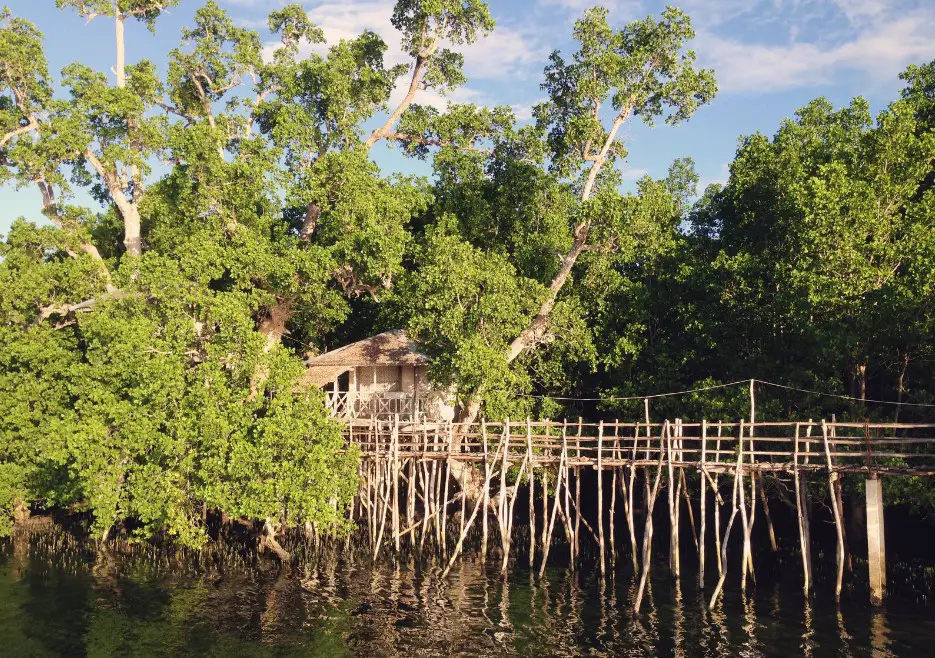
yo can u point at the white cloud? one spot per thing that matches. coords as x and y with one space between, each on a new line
879 51
504 54
858 11
628 7
633 173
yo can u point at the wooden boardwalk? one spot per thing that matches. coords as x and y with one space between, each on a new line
880 448
427 486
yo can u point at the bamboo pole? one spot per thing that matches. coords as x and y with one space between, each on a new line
613 496
773 544
722 555
509 527
572 534
804 543
555 507
411 492
648 528
745 560
683 484
477 505
704 490
486 497
577 532
673 507
628 503
394 438
545 490
503 496
600 494
717 508
532 497
832 477
443 517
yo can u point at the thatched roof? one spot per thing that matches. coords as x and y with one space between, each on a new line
391 348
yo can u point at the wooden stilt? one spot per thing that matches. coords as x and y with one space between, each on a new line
411 492
703 511
745 559
773 544
532 497
545 490
509 525
577 532
555 506
673 508
876 547
648 528
600 495
477 505
395 480
503 496
572 535
722 561
628 503
838 521
443 514
801 511
486 497
717 508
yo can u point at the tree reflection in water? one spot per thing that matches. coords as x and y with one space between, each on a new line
58 597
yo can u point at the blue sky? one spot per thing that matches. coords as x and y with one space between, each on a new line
770 57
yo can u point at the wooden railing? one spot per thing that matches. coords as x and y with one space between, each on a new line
383 406
893 448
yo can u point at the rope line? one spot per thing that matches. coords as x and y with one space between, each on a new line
638 397
718 386
845 397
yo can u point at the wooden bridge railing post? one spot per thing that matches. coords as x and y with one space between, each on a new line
704 490
876 547
600 493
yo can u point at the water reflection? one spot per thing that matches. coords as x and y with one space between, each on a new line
61 599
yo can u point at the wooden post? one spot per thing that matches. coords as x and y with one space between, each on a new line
503 496
613 496
545 488
722 555
572 534
673 507
600 494
509 523
832 477
394 437
704 490
648 529
801 512
876 547
555 506
483 545
411 491
577 532
717 508
532 498
628 502
745 560
464 530
773 544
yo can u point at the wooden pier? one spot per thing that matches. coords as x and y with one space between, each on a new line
428 485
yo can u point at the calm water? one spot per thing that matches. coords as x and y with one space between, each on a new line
59 599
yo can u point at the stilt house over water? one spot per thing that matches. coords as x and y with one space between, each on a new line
377 377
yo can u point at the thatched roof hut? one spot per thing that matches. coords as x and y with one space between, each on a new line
387 350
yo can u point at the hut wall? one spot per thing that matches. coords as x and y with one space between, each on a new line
373 380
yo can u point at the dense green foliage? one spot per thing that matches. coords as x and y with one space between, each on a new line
152 345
